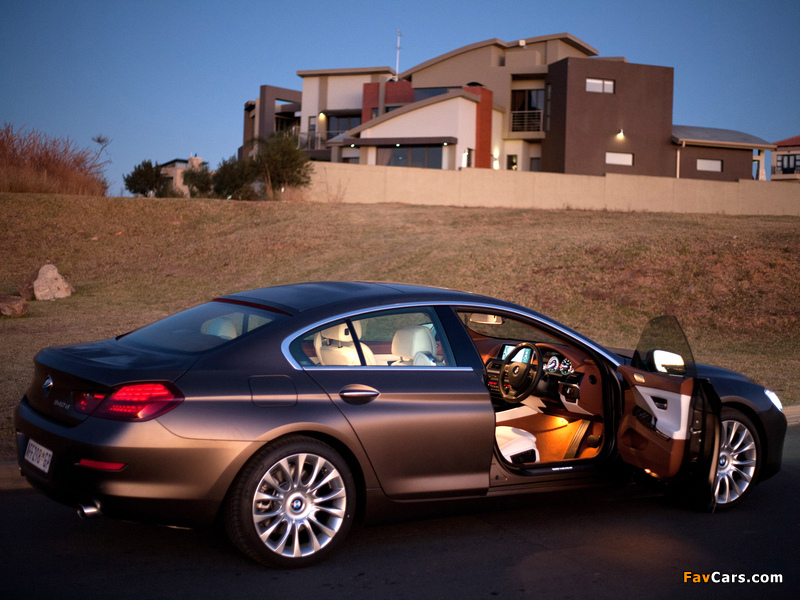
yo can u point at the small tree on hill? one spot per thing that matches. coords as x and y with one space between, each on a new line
234 179
199 181
146 180
281 163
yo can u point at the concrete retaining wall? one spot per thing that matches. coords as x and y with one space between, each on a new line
361 184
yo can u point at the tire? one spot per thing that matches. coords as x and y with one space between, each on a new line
292 504
739 458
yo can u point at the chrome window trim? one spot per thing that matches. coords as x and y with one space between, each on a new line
531 315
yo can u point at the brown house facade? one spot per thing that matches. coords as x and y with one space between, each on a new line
545 103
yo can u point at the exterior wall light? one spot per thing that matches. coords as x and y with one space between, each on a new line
621 134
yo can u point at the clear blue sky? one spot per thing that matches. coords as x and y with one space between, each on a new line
167 79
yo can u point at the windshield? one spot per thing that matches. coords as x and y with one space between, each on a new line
201 328
504 328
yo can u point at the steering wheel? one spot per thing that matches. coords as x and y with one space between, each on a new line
521 378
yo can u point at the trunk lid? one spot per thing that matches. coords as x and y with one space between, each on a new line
96 367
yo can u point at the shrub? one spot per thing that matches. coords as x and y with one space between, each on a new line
146 180
34 162
234 179
280 163
199 181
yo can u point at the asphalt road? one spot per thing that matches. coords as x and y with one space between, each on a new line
609 543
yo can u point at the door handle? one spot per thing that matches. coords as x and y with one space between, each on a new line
358 394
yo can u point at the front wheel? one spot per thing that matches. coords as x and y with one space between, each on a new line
291 504
739 458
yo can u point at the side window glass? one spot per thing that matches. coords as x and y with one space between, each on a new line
400 338
404 338
331 345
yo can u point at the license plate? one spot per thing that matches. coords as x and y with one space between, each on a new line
38 456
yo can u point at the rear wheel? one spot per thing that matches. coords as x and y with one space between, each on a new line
739 458
292 504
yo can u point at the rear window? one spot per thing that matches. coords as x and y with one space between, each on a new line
202 328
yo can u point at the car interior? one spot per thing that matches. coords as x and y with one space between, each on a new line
560 416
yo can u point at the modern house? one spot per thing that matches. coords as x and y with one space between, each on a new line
786 160
546 103
173 170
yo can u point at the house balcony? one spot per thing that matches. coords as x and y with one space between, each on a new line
315 145
526 120
785 174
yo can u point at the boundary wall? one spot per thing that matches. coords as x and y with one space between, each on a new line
364 184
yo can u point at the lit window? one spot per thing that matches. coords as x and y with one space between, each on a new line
619 158
712 166
601 86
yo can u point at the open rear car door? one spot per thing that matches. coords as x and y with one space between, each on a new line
670 420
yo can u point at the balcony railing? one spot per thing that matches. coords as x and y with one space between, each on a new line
526 120
312 141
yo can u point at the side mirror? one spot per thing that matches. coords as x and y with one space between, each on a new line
667 362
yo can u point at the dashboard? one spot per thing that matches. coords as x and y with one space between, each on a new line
570 380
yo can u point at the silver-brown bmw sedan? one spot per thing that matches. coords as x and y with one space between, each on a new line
290 411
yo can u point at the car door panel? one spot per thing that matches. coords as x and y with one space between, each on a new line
427 431
669 426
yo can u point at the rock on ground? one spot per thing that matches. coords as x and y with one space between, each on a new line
46 284
13 306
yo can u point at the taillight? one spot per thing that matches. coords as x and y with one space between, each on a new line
85 402
135 402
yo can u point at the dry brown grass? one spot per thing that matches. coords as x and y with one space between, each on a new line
34 162
734 282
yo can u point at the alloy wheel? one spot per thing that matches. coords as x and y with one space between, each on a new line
738 455
299 505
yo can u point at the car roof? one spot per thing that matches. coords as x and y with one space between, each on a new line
299 297
329 298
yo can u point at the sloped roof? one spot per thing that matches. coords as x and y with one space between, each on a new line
346 71
567 38
409 108
723 138
792 141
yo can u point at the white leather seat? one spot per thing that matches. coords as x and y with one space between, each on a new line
516 445
414 345
335 346
222 327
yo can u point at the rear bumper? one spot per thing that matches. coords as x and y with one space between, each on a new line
166 479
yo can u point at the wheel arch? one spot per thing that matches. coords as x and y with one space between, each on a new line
746 408
339 446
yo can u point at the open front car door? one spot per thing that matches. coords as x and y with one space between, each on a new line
670 420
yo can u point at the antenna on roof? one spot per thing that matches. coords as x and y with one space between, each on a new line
397 62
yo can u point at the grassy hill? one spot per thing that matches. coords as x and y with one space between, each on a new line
734 282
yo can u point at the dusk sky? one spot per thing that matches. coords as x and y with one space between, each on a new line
167 79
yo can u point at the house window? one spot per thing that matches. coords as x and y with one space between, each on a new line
788 164
711 166
425 93
511 162
536 165
601 86
338 125
619 158
425 157
547 111
527 107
